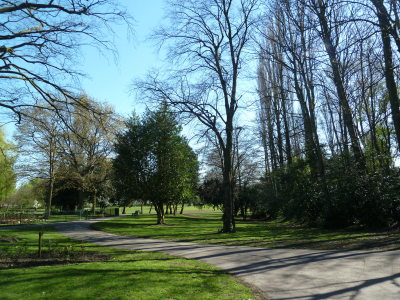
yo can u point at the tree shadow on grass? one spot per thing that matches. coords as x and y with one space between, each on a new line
160 281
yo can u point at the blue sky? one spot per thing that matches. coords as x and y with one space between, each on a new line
110 82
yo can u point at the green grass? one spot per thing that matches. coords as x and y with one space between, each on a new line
203 229
125 275
186 209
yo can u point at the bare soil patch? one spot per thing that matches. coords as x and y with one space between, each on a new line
48 259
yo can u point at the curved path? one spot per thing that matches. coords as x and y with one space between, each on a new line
280 273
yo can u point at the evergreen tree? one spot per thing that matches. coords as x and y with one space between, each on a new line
154 163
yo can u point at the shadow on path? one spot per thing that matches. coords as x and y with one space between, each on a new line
281 273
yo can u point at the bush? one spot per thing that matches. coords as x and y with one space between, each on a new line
356 197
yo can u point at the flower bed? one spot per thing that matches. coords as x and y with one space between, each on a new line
17 222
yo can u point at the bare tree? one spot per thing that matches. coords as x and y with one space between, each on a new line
329 18
206 43
389 25
41 47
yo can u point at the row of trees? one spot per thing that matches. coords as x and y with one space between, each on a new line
92 154
63 137
42 43
72 153
328 101
328 115
328 110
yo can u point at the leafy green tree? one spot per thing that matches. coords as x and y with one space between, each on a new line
154 162
39 145
211 193
7 160
87 145
32 192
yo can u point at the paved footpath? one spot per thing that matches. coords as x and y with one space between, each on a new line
280 273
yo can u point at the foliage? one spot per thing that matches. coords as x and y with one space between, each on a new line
66 195
356 198
211 193
27 194
154 163
7 174
87 146
207 43
39 145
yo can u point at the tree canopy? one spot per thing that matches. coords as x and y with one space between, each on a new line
153 162
7 160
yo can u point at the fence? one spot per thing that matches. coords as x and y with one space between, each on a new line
21 217
15 218
83 214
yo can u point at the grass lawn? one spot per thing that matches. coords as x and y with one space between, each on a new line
203 228
120 274
186 209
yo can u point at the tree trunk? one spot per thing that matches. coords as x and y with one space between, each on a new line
389 73
166 209
124 210
94 202
50 195
343 101
160 213
80 197
227 174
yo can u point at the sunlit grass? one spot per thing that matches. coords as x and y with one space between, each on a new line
126 275
203 228
186 210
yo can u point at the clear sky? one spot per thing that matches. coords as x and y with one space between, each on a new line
110 82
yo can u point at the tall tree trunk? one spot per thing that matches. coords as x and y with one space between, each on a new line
389 73
50 194
337 79
227 176
286 126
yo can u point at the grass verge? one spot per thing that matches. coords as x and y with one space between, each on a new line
203 229
121 274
